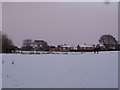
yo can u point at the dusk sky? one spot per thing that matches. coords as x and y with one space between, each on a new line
70 23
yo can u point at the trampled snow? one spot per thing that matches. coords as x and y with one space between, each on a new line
73 70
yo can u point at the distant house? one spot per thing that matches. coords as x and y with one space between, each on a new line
110 47
52 48
64 48
86 47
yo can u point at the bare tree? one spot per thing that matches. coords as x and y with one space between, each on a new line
27 45
41 45
108 41
7 44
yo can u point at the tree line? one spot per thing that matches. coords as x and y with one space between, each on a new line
107 41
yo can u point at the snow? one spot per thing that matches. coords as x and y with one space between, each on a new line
73 70
0 71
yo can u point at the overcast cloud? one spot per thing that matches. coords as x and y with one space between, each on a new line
60 22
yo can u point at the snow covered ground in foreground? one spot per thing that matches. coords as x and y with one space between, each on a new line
0 72
86 70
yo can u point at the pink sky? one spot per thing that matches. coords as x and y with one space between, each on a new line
59 23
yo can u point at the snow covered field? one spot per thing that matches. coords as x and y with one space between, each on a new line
76 70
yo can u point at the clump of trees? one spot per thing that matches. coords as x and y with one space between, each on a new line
108 41
7 44
41 45
27 45
38 45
